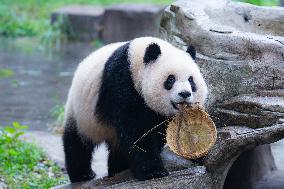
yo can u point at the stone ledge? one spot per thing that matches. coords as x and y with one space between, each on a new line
81 22
81 10
124 22
231 142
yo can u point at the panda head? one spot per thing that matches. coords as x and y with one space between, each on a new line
165 76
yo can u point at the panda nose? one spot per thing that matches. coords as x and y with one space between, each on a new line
184 94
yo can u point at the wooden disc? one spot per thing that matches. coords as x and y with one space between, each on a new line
191 133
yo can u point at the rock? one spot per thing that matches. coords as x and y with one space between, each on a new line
231 142
80 21
253 165
173 162
255 103
273 93
240 46
124 22
236 118
254 111
277 151
275 180
240 51
251 110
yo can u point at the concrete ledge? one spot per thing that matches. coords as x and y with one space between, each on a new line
82 22
124 22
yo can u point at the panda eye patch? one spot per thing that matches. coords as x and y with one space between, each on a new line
192 83
169 82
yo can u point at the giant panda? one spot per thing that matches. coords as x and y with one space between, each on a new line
119 93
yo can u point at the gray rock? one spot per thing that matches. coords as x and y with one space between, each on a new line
252 165
231 142
275 180
273 93
240 46
251 110
277 151
254 103
124 22
254 111
173 162
228 117
80 22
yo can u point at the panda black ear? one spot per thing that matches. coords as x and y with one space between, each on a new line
191 50
152 52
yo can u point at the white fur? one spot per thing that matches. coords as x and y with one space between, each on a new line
99 162
149 79
84 91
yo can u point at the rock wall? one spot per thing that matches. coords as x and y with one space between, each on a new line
240 46
240 51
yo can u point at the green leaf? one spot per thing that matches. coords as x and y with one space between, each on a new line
6 73
10 130
17 125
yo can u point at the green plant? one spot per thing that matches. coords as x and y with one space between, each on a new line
97 43
22 164
56 33
262 2
32 17
11 24
6 73
58 113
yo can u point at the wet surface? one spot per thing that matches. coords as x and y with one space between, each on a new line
39 81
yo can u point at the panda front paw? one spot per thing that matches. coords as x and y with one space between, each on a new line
152 174
160 173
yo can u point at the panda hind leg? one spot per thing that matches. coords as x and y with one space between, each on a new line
116 161
78 153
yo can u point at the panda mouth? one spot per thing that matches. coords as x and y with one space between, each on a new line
180 105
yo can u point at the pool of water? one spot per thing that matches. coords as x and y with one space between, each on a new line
38 80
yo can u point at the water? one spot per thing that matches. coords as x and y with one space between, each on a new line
40 80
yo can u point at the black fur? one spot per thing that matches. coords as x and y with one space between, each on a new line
191 50
121 106
192 83
116 161
78 153
152 52
169 83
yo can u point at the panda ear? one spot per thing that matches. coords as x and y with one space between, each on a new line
191 50
152 52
